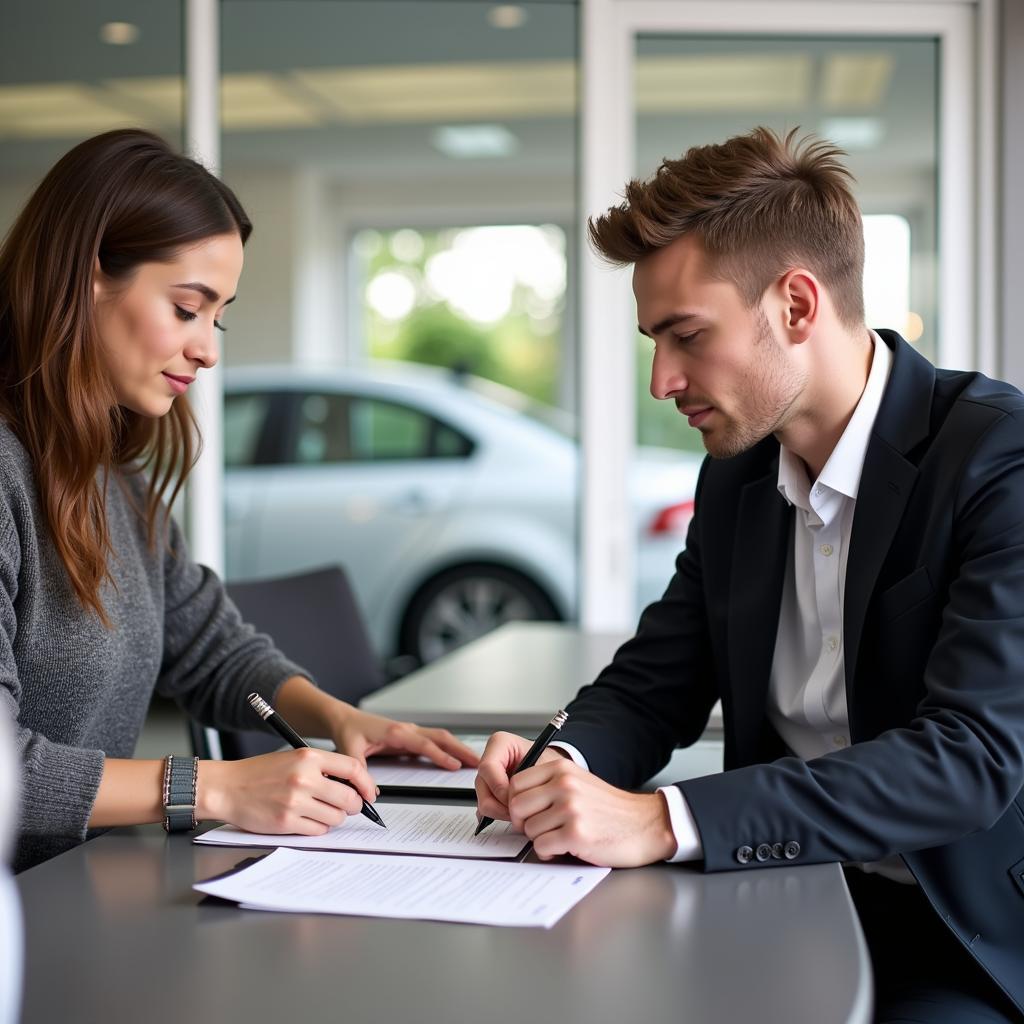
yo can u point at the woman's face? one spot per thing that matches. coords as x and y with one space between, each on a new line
161 328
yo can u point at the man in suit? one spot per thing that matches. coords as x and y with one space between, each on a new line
852 589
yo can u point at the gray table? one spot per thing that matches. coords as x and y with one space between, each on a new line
514 678
115 934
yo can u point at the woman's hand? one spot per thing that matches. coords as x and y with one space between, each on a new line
286 792
361 735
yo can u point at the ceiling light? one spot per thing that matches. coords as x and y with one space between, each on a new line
854 132
119 33
473 141
506 15
853 82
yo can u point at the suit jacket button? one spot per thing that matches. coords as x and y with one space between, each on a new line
791 850
745 854
764 852
777 851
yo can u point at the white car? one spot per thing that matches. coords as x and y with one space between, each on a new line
450 504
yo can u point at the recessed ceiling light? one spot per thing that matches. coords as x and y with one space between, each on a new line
119 33
473 141
506 15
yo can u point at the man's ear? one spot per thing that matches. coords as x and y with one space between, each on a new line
801 296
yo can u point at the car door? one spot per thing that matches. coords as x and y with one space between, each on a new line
369 480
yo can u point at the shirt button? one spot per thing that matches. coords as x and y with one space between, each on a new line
840 741
832 643
817 491
826 549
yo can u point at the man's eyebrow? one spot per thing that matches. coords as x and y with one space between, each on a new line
669 321
204 289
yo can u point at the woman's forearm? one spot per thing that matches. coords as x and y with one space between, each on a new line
308 710
130 793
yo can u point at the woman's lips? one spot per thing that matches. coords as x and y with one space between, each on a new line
179 385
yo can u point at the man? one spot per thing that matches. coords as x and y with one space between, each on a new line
852 588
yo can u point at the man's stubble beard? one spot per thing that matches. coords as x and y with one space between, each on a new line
766 393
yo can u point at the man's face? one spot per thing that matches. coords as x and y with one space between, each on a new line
720 362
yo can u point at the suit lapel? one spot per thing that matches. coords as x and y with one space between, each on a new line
755 597
885 486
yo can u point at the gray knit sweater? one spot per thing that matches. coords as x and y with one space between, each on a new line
79 691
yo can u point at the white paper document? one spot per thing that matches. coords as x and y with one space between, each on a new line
372 885
419 773
412 828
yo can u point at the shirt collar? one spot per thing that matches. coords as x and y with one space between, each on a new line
845 465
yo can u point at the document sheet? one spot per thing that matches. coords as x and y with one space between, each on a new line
373 885
412 828
419 773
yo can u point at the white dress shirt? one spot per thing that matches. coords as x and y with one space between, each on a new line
807 690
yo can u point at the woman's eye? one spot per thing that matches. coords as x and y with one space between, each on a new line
219 325
184 314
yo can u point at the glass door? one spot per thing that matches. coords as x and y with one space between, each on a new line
892 85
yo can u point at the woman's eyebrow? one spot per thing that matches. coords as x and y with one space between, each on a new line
205 289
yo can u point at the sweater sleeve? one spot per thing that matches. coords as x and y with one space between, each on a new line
58 782
211 658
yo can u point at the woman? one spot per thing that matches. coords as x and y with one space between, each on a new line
113 283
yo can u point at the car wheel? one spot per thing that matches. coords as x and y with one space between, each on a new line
464 603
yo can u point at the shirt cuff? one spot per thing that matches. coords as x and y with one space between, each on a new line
574 754
684 828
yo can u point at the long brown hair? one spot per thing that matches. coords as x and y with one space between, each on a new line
116 200
760 205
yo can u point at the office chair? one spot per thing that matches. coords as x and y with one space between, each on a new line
313 618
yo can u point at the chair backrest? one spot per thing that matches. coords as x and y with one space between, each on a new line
313 618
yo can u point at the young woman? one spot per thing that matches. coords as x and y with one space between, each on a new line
113 284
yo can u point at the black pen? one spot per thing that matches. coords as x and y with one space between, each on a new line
287 733
556 723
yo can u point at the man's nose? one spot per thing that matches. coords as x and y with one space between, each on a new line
667 377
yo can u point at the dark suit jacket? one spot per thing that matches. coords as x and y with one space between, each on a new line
934 639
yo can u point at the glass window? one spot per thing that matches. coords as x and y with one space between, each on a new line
487 301
410 169
383 430
323 429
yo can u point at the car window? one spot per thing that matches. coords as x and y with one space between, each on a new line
385 430
352 428
322 431
244 416
450 444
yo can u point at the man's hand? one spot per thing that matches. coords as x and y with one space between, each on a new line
501 757
565 809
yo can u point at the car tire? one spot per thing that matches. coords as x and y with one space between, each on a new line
464 603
